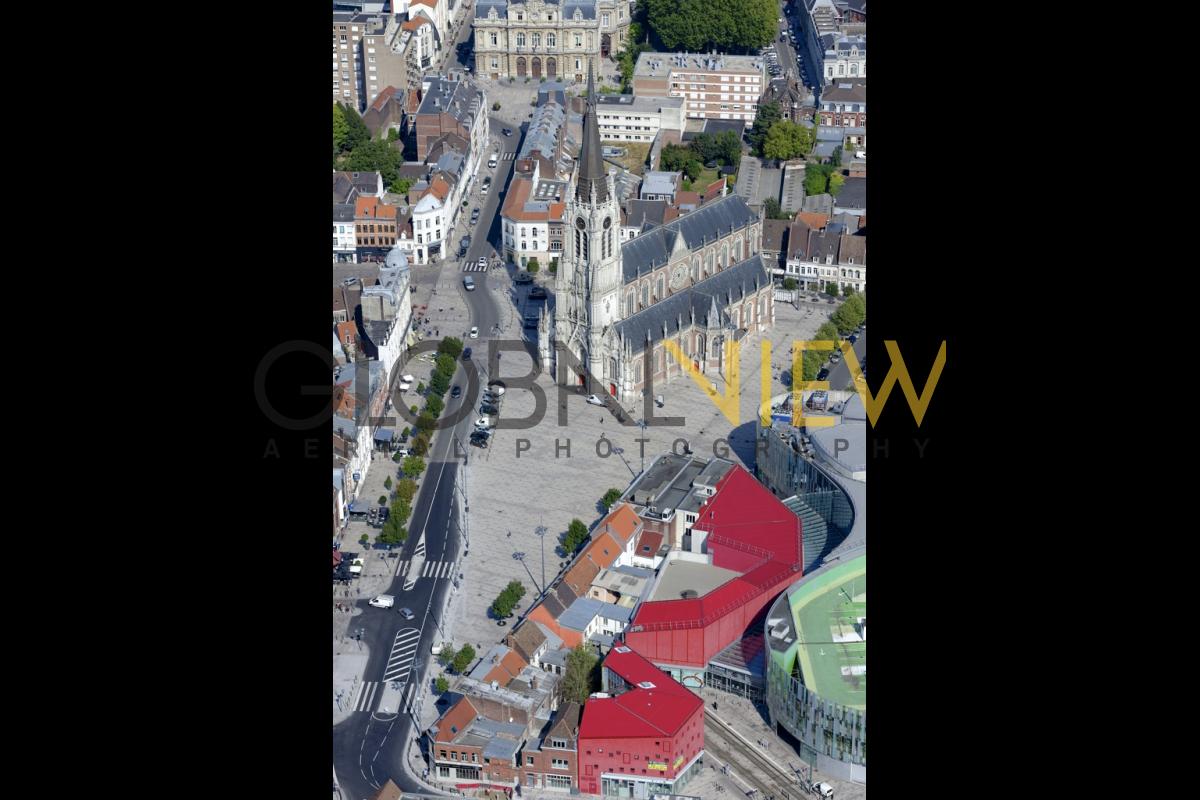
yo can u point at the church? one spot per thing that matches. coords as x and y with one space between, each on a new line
698 281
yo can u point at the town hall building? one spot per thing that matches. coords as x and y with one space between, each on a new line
698 281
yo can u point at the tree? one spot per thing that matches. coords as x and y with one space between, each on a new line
577 533
376 156
582 676
789 284
451 346
441 685
786 140
836 158
532 267
693 169
420 445
406 489
771 207
554 265
496 106
421 387
426 421
445 364
768 114
401 186
401 510
816 179
387 482
357 133
835 183
728 148
504 603
341 130
703 147
464 658
673 158
383 499
435 405
610 498
446 656
413 466
700 25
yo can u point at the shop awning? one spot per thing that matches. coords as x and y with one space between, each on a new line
384 435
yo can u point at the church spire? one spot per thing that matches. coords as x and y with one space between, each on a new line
591 165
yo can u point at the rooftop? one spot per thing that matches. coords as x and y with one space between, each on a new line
679 576
638 712
639 103
660 64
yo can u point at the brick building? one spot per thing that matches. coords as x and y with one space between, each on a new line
844 104
712 87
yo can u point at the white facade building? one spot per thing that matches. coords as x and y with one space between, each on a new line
344 246
626 118
846 58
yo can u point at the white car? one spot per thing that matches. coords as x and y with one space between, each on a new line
594 400
382 601
474 334
860 154
482 262
822 789
496 389
483 424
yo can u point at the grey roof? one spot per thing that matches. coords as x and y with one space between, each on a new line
556 657
638 103
824 243
636 572
552 92
700 299
853 247
854 409
659 183
483 6
639 212
653 248
500 747
602 639
591 176
343 212
485 664
586 9
493 727
845 91
844 444
585 609
544 130
460 99
819 203
853 194
553 640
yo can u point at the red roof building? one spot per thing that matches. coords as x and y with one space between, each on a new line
645 729
749 531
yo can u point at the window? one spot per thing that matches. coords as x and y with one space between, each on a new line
537 40
559 763
529 761
454 755
441 754
520 40
495 39
578 43
551 40
604 20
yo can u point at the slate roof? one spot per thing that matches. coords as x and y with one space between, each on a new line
343 212
774 232
527 639
586 8
733 282
853 247
853 194
462 100
653 248
637 212
566 722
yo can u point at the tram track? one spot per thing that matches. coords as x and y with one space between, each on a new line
747 764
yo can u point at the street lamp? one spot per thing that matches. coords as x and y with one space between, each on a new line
520 556
541 532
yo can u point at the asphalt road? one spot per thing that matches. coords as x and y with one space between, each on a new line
368 748
839 376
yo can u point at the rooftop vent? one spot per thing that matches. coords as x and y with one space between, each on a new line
645 685
622 649
689 594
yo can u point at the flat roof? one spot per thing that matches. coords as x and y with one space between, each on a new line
659 65
679 575
640 103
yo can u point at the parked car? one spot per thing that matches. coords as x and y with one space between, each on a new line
469 283
456 391
489 408
523 277
466 356
823 373
482 263
480 443
475 216
474 334
382 601
483 424
407 613
861 154
507 131
594 399
538 293
496 387
403 451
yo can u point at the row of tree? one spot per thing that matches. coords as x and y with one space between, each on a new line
459 660
723 148
577 534
506 601
697 26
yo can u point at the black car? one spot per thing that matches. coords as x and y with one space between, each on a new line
488 408
823 374
538 293
456 391
480 443
466 356
507 131
491 397
853 338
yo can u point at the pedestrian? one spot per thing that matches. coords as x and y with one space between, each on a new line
601 419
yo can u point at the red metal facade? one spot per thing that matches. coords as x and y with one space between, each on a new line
642 758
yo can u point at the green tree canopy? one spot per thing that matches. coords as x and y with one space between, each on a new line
406 489
441 685
610 498
435 405
728 147
768 114
789 284
816 179
451 346
376 156
577 534
413 466
341 130
836 180
357 133
447 655
786 140
582 675
771 207
463 658
700 25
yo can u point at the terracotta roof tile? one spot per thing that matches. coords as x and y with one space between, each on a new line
813 220
460 715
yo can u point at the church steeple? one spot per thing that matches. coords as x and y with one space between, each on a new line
591 165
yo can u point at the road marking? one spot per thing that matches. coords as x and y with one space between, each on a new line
366 696
412 687
404 652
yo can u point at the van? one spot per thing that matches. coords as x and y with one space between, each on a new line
436 649
469 283
382 601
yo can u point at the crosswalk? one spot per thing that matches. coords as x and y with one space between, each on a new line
508 156
404 652
473 266
368 696
442 570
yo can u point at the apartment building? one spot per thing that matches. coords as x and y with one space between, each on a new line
711 86
375 226
844 104
630 118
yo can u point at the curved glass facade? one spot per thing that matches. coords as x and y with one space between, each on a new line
816 635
